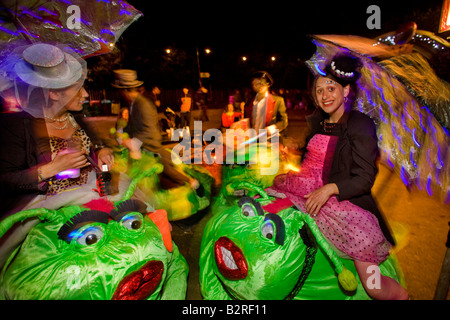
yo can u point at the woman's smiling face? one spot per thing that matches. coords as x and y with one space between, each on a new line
330 95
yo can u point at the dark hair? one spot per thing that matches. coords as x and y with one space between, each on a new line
344 68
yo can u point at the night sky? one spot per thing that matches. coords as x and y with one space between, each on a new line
258 30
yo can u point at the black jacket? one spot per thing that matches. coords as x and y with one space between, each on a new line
144 125
354 166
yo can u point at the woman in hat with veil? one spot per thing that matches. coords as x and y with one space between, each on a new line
43 148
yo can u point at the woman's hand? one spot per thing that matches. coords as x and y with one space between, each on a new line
105 156
63 162
317 198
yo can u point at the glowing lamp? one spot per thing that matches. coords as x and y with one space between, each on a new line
66 174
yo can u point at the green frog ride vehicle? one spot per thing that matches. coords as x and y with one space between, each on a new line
252 251
98 251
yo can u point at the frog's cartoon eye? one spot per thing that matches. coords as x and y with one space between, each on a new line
87 236
130 213
268 230
250 208
273 228
132 221
72 227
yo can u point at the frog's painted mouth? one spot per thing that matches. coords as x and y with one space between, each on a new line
230 260
140 284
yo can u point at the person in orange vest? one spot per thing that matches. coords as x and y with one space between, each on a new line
185 109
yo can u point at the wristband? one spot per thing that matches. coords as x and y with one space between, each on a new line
39 172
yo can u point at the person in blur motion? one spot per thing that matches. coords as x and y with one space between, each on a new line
170 120
153 95
143 126
265 110
201 97
236 101
43 148
185 108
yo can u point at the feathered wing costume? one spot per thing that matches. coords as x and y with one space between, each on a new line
409 103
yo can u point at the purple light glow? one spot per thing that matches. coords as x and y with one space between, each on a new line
70 31
404 123
397 137
429 190
421 123
360 105
107 31
412 158
439 157
48 11
389 158
318 44
318 70
404 176
418 181
414 137
86 22
70 173
123 11
30 13
17 33
100 40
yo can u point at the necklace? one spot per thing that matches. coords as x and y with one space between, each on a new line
59 128
328 127
65 119
57 120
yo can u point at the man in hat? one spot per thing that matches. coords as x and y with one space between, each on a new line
264 109
143 126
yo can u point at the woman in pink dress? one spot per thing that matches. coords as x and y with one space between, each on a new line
337 174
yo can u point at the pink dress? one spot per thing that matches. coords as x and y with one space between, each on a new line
352 230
